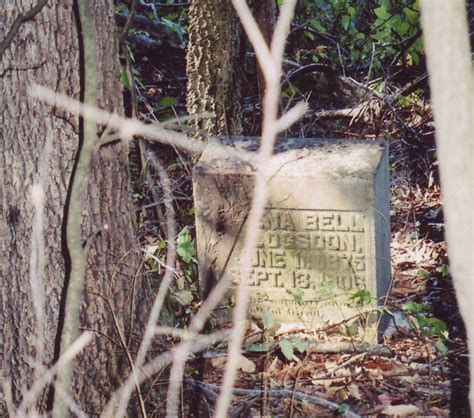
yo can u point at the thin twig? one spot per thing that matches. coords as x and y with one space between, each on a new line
122 395
73 350
150 330
272 72
282 393
128 128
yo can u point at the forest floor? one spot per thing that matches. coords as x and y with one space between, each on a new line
419 369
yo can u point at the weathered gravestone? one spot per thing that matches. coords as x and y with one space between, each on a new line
325 233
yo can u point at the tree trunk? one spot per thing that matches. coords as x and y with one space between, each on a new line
213 67
446 37
264 12
47 50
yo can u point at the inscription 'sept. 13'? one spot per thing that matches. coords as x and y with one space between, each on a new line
324 236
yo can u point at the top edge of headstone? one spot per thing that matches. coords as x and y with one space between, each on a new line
293 157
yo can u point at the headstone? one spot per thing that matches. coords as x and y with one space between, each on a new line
324 237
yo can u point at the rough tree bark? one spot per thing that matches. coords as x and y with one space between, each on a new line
264 12
46 50
213 65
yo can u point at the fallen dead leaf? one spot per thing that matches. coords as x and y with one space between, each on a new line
246 365
354 391
439 412
218 362
333 391
378 365
388 399
401 410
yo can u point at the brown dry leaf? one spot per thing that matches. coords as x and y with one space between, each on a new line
382 365
246 365
331 366
333 391
354 391
387 399
328 383
401 410
275 365
439 412
342 395
312 410
398 368
218 362
412 379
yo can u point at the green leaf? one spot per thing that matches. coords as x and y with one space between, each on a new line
437 326
326 290
262 296
300 344
268 319
379 36
259 347
352 11
411 15
413 307
317 25
380 87
443 269
297 294
346 21
286 348
441 347
360 298
413 235
343 408
176 27
386 4
124 77
381 13
183 297
355 55
423 274
402 28
184 245
290 91
166 102
415 57
310 35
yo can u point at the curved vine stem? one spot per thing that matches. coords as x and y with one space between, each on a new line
77 252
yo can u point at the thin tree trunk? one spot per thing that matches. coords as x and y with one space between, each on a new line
264 12
449 62
213 67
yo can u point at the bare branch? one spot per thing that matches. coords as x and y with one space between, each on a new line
128 128
290 117
154 366
29 398
269 132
